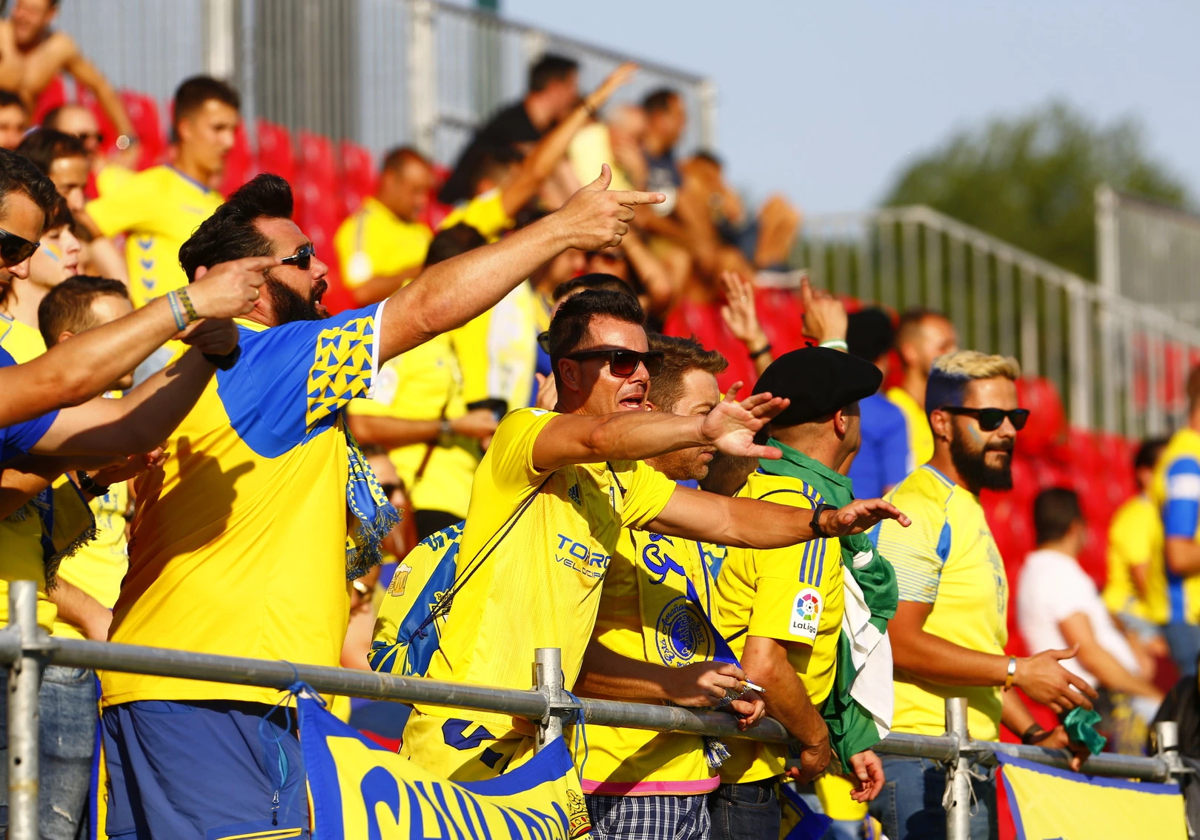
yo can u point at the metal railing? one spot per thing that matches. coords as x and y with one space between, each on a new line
1119 364
377 72
26 649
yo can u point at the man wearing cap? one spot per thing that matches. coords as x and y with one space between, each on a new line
783 609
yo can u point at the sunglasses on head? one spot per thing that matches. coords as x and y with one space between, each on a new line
991 419
623 363
15 249
302 259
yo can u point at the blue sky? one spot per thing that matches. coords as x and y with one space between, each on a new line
826 102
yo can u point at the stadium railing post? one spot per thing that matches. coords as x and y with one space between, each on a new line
24 679
958 809
547 669
1166 741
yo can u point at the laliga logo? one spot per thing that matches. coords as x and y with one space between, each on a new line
807 606
806 614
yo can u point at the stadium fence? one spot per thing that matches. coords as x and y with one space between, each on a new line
27 649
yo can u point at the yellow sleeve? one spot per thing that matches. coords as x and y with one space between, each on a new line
918 552
646 496
484 212
355 263
129 206
511 452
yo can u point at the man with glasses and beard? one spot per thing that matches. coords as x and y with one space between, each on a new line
950 628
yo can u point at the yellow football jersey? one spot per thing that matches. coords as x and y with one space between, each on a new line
548 538
374 242
1135 538
1175 493
920 436
426 384
99 566
239 542
947 558
793 595
484 212
23 342
644 597
158 209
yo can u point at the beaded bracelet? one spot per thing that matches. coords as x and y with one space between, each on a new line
188 306
177 310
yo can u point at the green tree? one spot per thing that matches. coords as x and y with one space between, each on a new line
1030 180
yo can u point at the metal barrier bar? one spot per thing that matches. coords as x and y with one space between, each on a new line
24 680
958 811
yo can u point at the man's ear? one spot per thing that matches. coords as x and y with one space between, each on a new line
200 272
64 335
840 423
939 422
568 374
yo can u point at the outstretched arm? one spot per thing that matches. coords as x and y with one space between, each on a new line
75 371
453 292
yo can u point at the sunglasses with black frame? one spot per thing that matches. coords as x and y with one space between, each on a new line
302 259
991 419
622 362
15 249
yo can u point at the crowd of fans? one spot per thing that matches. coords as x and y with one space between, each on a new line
497 450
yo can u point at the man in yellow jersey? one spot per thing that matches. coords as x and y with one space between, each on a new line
1136 589
1175 492
950 629
382 244
782 609
160 207
549 502
418 413
654 636
921 337
246 541
495 351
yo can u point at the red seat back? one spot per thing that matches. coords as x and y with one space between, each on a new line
240 165
52 97
359 178
147 124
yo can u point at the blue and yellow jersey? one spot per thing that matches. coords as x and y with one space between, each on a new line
374 242
1175 492
947 558
158 209
1135 539
548 538
426 384
920 436
239 542
23 342
793 595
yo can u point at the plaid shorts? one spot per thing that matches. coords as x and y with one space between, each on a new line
649 817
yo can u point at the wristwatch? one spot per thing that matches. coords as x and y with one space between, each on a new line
89 485
817 530
445 433
228 360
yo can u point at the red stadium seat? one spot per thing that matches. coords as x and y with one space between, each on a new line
239 164
275 152
147 123
1047 420
52 97
359 178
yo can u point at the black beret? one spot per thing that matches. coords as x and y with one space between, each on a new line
818 381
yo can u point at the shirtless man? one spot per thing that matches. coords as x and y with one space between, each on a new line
31 55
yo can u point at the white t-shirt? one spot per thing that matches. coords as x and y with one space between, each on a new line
1053 588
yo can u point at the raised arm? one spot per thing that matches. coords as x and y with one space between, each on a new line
550 150
75 371
88 75
453 292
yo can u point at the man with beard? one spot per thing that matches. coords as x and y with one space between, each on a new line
246 540
950 628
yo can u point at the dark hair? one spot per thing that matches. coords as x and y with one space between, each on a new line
191 95
658 99
453 241
1054 512
551 68
708 157
43 146
571 322
230 232
591 281
60 215
491 164
9 98
1147 454
911 319
680 355
68 306
19 174
397 157
869 333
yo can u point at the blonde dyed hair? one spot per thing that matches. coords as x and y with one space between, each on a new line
953 372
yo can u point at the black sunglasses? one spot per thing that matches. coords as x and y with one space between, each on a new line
991 419
623 363
15 249
302 259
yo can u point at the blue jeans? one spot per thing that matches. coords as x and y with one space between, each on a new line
910 805
66 743
745 812
1184 641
